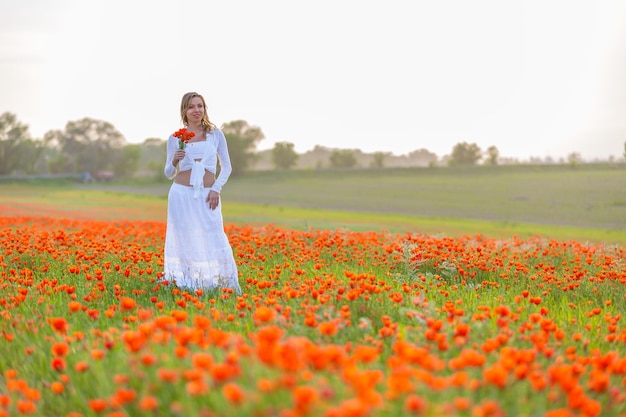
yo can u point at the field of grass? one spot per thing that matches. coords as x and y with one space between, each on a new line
584 203
582 196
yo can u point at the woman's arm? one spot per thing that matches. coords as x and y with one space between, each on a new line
170 170
224 160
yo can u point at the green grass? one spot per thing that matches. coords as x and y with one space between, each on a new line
585 202
584 196
304 218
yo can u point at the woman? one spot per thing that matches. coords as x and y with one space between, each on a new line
197 252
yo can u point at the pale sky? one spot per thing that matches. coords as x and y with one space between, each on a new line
533 77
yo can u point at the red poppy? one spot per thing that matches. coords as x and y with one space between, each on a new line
183 137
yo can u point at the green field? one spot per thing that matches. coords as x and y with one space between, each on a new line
580 197
584 202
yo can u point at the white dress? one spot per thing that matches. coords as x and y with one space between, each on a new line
197 253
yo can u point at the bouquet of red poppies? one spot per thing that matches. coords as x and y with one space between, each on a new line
183 137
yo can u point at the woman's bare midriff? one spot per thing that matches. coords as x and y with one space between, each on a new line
183 178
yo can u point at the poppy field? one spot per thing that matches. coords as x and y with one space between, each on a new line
330 323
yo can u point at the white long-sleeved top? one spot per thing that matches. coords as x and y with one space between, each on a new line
208 152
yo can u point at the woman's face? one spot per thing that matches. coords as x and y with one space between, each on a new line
195 111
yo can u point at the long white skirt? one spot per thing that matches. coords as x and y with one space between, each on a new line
197 252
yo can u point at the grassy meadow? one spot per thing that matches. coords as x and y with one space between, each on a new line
378 293
584 203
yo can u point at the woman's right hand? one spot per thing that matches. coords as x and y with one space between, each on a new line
179 155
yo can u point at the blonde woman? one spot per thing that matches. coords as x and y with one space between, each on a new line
197 253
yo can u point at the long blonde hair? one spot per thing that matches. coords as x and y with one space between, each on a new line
207 125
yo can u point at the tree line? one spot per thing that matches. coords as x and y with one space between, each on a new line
92 147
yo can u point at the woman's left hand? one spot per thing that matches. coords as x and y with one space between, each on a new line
213 199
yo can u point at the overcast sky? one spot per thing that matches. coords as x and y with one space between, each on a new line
533 78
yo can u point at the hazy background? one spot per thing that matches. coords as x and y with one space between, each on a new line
533 78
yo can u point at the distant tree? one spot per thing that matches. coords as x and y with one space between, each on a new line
422 157
17 151
465 154
492 156
56 164
85 145
574 158
128 163
31 155
242 140
284 155
152 161
624 150
378 159
342 158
